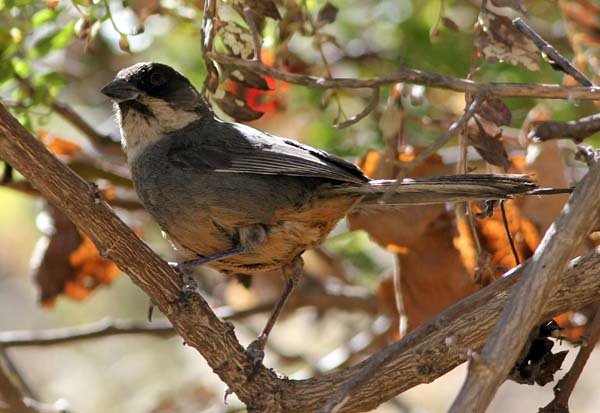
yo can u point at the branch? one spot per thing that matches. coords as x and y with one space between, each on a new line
577 130
542 277
103 328
557 61
363 113
566 385
417 77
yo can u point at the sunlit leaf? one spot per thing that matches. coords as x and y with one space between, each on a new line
44 16
21 67
57 39
6 71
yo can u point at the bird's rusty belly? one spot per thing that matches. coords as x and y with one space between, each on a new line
289 234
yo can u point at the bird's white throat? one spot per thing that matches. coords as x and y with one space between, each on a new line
138 129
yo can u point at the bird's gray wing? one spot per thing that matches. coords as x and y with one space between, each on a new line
211 144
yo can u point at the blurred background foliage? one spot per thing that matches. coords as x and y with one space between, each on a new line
57 54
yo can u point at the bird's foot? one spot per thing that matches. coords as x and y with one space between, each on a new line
189 283
256 352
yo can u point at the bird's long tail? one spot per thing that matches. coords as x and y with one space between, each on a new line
439 189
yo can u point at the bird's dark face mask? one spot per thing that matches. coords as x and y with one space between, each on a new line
152 100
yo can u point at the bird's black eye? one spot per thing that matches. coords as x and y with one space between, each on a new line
158 79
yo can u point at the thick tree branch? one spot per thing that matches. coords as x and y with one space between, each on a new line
422 356
541 279
417 77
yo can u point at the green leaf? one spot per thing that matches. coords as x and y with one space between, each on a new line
6 71
52 82
25 120
21 67
44 16
58 39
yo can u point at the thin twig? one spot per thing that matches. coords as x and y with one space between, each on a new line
577 130
566 385
319 44
455 127
557 61
103 328
363 114
162 327
417 77
248 15
511 241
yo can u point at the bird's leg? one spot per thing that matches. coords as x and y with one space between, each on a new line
250 237
187 266
292 273
185 269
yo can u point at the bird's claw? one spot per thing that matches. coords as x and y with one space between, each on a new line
256 352
189 283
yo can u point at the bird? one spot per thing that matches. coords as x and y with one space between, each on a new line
243 201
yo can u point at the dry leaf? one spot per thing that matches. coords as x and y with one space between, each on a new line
489 147
498 40
326 14
236 107
496 111
293 21
249 79
433 276
70 263
52 269
266 8
450 24
57 145
494 239
237 40
396 227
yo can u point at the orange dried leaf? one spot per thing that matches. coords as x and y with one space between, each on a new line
57 145
396 227
433 276
76 291
90 268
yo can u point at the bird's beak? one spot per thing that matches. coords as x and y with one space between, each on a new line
120 90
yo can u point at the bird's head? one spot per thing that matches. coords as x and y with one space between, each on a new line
152 100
